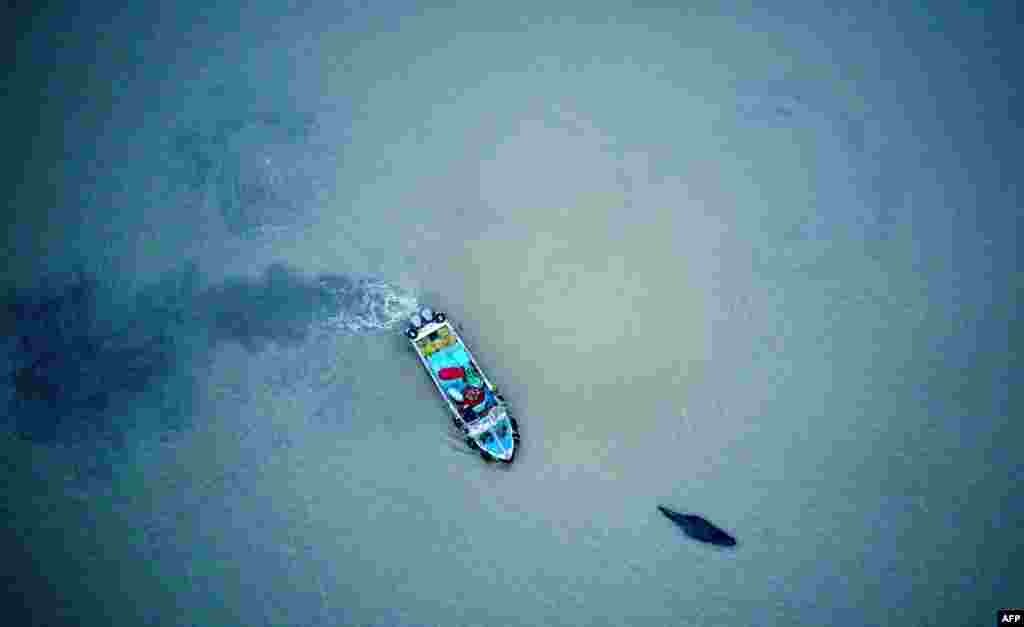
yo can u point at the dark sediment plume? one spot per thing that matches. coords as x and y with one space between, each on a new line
81 360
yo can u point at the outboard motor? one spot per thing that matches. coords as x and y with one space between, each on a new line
414 326
420 318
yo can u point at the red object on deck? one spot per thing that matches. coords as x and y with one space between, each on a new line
449 374
472 396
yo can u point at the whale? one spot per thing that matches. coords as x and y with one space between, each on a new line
699 528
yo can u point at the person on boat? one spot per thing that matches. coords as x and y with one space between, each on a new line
465 408
473 396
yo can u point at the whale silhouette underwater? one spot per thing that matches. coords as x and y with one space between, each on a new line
699 528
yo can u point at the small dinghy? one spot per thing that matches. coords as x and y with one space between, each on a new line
477 408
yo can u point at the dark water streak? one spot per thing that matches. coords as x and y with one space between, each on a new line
76 355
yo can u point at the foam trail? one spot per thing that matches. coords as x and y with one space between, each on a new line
378 305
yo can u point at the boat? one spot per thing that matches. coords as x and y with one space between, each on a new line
478 410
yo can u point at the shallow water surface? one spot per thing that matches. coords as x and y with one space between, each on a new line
751 265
